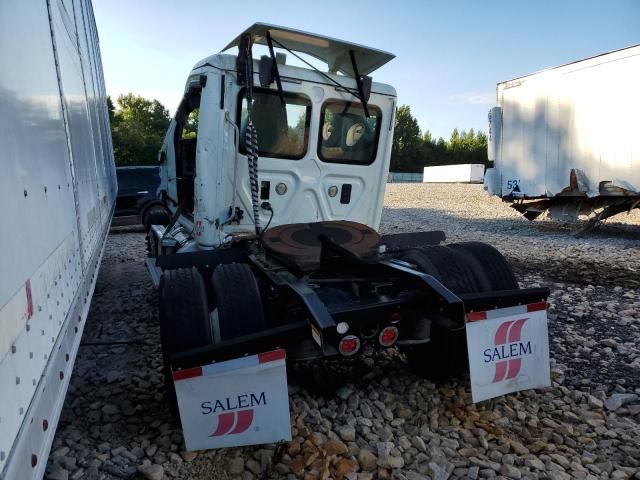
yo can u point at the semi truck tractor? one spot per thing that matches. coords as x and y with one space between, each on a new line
57 189
269 252
564 140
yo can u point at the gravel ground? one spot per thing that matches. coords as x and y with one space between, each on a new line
382 421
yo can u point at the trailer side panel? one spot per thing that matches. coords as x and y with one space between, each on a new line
578 117
57 189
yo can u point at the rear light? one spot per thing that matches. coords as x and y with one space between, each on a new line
395 317
388 336
349 345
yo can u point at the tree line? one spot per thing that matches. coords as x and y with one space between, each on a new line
138 127
413 150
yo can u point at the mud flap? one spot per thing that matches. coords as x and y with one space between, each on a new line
243 401
508 350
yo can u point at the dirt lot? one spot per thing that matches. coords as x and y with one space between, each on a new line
382 421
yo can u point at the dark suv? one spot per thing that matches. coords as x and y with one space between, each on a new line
136 187
138 195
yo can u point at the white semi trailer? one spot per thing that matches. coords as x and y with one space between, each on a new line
57 189
461 173
565 140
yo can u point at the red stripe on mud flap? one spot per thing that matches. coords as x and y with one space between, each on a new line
27 287
245 418
476 316
187 373
501 371
272 356
225 422
514 368
501 333
536 307
516 330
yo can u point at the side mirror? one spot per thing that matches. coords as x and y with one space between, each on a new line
267 73
366 87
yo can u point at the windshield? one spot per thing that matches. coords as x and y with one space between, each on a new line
282 133
347 135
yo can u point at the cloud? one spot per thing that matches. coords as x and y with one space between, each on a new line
474 98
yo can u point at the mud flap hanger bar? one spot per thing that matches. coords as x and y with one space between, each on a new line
457 306
271 339
477 302
450 303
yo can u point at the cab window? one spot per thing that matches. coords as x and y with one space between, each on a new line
282 132
346 134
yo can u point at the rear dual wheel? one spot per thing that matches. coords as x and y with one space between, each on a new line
237 301
467 267
185 320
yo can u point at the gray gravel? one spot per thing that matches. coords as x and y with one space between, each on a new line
381 421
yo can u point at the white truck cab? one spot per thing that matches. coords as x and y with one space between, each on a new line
320 157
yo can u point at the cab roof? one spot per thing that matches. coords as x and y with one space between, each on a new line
333 52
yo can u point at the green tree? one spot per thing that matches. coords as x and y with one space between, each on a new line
111 109
191 128
407 142
138 127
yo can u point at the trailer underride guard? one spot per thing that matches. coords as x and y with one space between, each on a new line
306 154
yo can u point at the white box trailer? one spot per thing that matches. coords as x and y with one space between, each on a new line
567 138
57 190
463 173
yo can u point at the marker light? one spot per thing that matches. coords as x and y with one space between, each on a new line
388 336
342 328
281 188
349 345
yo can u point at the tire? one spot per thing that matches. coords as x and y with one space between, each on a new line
493 263
449 266
467 267
445 355
154 215
184 318
237 300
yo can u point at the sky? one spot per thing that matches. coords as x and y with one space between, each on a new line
449 54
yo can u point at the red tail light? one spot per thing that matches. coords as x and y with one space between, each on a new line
395 317
388 336
349 345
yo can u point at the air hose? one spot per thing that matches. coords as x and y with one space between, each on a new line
251 141
251 135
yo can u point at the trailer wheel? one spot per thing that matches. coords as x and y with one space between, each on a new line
184 318
493 263
449 266
237 300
